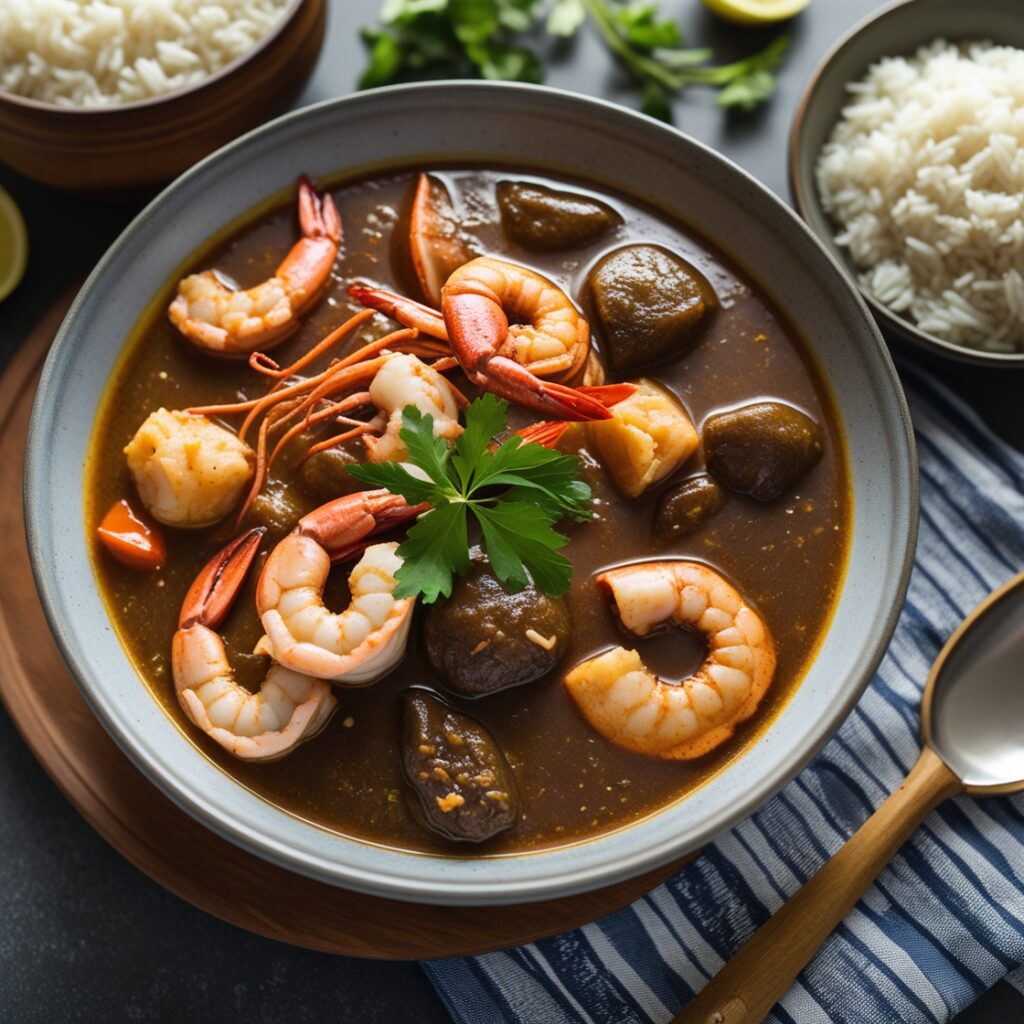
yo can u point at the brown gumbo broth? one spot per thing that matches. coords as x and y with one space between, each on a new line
786 557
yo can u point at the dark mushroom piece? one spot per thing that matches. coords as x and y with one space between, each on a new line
464 787
649 302
761 449
544 219
485 638
686 507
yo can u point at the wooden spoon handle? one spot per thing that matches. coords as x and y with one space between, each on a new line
753 981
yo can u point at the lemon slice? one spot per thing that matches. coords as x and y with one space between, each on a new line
13 245
756 12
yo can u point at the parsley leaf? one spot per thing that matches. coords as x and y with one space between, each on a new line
517 538
540 487
430 453
488 419
397 479
435 548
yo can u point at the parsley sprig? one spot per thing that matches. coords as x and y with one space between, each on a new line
499 39
516 493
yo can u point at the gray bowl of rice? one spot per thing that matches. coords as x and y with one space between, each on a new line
907 160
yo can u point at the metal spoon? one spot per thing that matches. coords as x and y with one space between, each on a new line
972 724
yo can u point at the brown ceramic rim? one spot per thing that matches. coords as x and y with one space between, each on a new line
804 203
57 110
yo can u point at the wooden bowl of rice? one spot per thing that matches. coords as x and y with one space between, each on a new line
906 159
160 115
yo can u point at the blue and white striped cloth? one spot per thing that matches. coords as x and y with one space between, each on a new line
943 922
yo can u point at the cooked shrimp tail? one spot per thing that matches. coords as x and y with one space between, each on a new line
547 433
223 319
632 707
287 709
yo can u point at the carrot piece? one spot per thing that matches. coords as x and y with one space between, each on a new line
130 540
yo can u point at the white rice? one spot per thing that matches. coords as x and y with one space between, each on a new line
924 174
97 53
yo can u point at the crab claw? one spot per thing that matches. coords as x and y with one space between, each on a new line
435 244
344 527
407 312
214 590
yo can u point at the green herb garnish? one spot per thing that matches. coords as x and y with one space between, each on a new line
516 493
498 39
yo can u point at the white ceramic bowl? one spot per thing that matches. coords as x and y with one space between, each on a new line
535 128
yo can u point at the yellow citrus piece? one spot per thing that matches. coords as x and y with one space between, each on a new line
755 12
13 245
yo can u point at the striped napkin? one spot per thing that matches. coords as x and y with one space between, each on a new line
943 922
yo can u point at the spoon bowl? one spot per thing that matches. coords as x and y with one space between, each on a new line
973 708
972 725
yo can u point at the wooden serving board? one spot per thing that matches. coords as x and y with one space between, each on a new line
174 849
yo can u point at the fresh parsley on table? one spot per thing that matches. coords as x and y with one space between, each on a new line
498 39
516 493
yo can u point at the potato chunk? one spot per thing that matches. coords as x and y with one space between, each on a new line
189 471
648 437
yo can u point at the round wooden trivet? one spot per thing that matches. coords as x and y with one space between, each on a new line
163 841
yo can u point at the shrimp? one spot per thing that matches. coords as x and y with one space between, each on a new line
548 337
288 708
188 471
632 707
219 317
405 380
368 639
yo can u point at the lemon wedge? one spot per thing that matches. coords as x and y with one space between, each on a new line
13 245
755 12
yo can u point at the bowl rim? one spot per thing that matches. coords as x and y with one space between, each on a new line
29 104
806 203
496 887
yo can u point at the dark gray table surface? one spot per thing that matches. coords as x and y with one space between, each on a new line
87 937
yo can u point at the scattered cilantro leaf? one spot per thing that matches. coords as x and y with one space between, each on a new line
516 492
651 52
565 17
499 39
518 15
746 92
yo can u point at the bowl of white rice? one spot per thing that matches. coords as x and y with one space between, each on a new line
106 96
907 160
